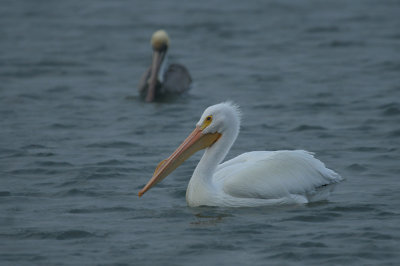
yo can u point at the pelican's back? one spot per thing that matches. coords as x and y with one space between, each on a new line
276 174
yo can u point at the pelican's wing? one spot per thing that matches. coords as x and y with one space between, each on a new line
176 79
271 175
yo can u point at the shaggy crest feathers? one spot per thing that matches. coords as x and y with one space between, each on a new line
235 107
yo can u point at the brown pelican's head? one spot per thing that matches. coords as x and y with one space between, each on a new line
160 40
160 43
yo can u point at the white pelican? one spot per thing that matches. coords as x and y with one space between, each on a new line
251 179
159 80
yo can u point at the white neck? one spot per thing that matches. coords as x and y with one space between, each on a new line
201 185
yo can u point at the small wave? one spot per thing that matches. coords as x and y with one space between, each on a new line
58 89
342 44
307 127
323 105
34 171
139 132
44 154
313 244
132 98
353 208
215 245
93 72
113 162
357 167
394 133
251 228
8 113
79 192
308 244
101 210
377 236
108 174
61 235
62 126
34 146
112 144
368 126
11 153
53 164
104 171
387 213
18 257
29 96
73 234
267 78
391 109
95 174
390 66
323 29
286 255
367 149
326 135
394 36
269 106
87 98
360 18
58 63
174 213
313 218
31 73
5 193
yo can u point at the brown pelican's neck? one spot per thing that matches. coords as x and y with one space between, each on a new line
157 71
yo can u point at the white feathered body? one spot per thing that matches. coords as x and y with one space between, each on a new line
264 178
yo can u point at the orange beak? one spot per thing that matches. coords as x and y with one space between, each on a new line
194 142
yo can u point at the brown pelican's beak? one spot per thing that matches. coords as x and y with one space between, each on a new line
158 57
194 142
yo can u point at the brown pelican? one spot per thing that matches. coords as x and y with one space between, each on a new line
162 80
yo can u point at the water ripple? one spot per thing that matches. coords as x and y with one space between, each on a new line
112 144
58 235
308 127
391 109
101 210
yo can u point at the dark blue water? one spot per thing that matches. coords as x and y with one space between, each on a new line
77 144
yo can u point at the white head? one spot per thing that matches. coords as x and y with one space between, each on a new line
222 118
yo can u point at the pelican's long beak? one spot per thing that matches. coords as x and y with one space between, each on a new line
158 57
194 142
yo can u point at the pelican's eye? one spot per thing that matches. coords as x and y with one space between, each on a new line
206 122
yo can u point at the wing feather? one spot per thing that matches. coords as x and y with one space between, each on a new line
275 174
176 79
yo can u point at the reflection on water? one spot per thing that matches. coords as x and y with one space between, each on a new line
206 218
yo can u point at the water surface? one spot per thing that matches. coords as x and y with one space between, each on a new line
77 143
